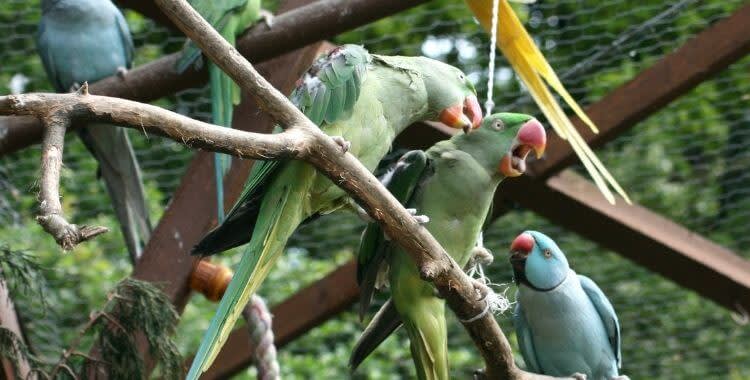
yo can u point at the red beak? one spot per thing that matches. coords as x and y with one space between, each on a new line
532 135
473 110
521 246
466 116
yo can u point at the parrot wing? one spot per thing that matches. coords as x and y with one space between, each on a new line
525 343
402 181
327 92
385 322
606 313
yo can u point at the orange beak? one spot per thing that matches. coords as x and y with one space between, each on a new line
530 137
466 116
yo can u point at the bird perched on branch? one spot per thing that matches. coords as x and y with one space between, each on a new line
452 184
230 18
365 100
565 325
87 40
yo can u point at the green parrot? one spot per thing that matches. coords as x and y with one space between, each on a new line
365 100
452 184
230 18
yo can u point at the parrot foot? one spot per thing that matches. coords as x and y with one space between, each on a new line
267 17
621 377
579 376
340 141
121 72
421 219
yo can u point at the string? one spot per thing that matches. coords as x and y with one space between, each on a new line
490 104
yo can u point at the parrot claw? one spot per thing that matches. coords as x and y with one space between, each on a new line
74 87
121 72
421 219
340 141
579 376
267 17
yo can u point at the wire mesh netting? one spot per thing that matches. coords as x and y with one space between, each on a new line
686 162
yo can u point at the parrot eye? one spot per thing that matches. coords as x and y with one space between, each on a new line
547 253
498 125
461 76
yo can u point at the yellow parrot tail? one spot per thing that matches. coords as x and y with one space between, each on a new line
531 66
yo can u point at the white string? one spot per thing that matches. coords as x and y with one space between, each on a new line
495 300
490 104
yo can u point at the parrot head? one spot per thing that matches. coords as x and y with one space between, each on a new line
537 261
506 139
452 99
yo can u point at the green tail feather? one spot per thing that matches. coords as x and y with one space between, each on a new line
427 335
277 221
225 94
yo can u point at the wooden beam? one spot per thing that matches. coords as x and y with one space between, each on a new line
640 235
9 320
298 314
703 56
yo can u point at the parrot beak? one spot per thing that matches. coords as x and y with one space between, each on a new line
466 115
520 249
530 137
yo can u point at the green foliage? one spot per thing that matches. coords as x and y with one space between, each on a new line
21 272
139 308
15 350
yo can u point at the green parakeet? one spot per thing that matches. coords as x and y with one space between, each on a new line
367 100
453 184
230 18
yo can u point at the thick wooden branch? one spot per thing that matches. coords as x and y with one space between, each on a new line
56 111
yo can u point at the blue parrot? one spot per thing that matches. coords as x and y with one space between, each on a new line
565 325
87 40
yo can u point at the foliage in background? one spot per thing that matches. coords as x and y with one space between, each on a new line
688 162
134 307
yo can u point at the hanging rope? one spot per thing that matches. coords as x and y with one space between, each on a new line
496 301
258 320
490 104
